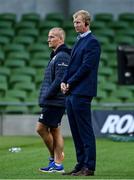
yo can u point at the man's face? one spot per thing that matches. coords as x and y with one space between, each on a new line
53 39
79 24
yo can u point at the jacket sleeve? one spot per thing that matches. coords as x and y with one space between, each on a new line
90 59
60 67
65 76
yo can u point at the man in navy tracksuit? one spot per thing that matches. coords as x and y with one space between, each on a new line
80 86
52 101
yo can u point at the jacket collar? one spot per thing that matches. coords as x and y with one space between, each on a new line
62 48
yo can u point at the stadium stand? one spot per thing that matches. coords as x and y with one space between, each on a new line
24 54
104 17
31 17
8 17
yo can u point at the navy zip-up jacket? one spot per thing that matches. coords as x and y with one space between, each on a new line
50 93
81 73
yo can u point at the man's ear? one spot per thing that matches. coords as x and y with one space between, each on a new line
86 24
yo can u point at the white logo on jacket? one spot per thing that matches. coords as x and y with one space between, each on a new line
62 64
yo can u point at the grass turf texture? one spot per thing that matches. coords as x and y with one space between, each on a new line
115 160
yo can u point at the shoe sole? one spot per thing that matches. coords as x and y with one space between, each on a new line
52 171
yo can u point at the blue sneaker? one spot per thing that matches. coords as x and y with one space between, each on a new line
51 161
52 168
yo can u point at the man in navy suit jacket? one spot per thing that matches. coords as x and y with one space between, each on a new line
80 86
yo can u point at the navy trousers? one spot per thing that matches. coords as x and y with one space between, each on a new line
79 115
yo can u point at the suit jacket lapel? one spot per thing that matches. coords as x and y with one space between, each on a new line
74 49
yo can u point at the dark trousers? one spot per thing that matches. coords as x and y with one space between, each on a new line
79 115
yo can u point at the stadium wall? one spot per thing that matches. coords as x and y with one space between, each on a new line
105 122
25 125
25 6
96 6
66 6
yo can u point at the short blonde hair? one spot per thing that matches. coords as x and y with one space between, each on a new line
84 14
59 32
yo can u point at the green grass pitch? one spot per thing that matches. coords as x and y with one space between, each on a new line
115 160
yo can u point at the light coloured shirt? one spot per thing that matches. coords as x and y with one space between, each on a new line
84 34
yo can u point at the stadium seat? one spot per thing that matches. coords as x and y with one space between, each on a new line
21 55
101 79
25 71
34 95
24 40
121 39
40 72
123 94
35 109
97 25
111 100
103 40
3 88
103 57
129 33
37 47
4 24
15 78
108 87
106 71
41 55
104 17
129 88
58 17
2 57
101 94
113 78
47 25
9 100
126 16
15 93
33 98
44 34
119 25
109 33
31 32
5 71
8 17
14 63
109 48
39 79
112 62
6 100
4 40
70 33
24 25
68 25
16 109
7 32
13 47
38 63
129 100
70 40
26 86
3 78
43 38
31 17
